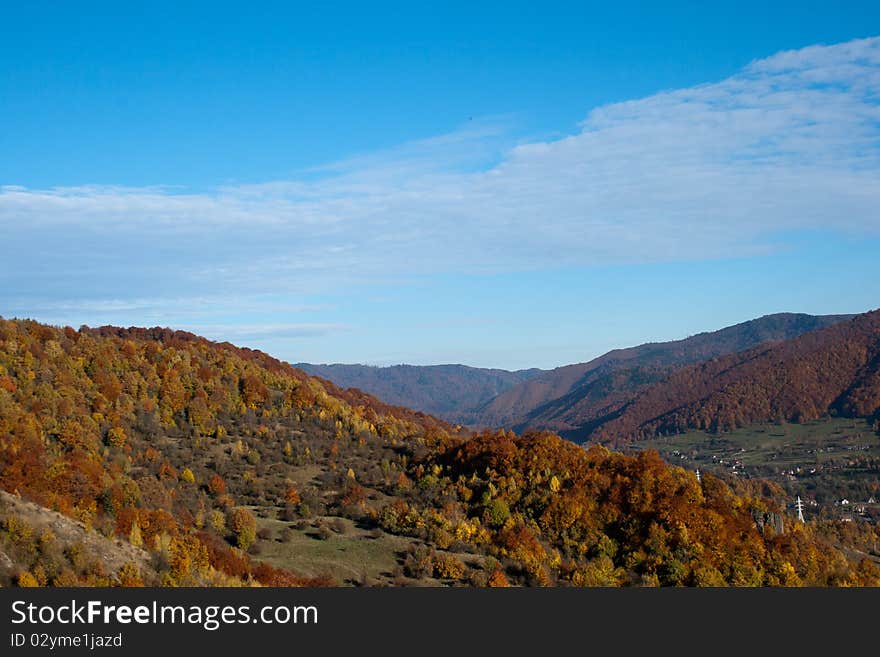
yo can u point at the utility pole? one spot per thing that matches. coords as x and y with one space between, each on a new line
799 505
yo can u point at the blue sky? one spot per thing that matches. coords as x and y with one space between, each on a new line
507 185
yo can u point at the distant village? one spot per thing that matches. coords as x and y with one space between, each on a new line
843 508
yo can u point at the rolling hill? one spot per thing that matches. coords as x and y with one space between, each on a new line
573 400
172 442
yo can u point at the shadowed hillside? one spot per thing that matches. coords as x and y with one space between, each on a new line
450 392
573 400
834 371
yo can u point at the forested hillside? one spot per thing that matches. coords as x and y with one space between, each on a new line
574 399
148 434
222 465
834 371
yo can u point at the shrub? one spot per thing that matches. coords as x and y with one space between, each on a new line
216 486
26 580
498 579
419 562
289 513
218 521
129 575
291 496
478 578
447 566
243 525
496 513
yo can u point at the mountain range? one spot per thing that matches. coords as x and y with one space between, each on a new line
572 400
452 392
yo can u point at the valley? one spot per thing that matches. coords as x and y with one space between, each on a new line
825 462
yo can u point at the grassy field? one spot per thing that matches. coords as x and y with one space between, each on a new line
350 554
824 461
346 556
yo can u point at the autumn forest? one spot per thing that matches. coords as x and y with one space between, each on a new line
133 457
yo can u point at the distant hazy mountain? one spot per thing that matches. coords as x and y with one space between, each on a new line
450 392
834 371
574 399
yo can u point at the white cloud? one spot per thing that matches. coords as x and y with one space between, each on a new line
274 331
168 307
790 143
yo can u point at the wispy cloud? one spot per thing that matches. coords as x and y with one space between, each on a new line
269 331
790 143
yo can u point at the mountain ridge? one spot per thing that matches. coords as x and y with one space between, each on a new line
572 399
835 370
448 391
